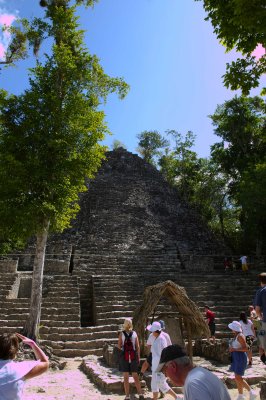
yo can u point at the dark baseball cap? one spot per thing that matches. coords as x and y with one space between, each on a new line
170 353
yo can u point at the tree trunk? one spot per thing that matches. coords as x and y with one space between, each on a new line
31 328
221 217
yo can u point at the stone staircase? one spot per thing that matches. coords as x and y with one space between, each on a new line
115 294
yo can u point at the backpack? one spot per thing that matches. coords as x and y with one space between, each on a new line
129 352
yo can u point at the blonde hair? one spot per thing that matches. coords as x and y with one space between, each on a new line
127 326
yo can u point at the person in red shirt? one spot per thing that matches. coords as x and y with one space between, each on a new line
210 316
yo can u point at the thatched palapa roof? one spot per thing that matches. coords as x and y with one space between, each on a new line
193 319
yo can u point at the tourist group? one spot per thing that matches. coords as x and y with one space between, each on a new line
168 362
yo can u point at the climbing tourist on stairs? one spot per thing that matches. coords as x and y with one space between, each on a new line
210 317
238 349
130 356
13 374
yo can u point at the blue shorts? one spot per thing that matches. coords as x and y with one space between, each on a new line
239 362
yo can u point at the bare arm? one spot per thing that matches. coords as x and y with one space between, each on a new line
258 312
119 345
137 347
39 354
253 330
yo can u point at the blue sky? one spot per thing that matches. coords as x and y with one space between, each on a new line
163 49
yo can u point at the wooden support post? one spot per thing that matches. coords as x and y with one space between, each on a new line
190 349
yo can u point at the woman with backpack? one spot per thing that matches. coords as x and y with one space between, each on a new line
129 361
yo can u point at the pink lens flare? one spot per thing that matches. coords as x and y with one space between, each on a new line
258 52
7 19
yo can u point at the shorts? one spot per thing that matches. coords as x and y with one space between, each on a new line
239 362
158 382
149 359
125 366
261 335
244 267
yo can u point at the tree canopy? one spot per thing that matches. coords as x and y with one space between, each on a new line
179 164
49 134
49 137
240 25
241 123
150 145
227 189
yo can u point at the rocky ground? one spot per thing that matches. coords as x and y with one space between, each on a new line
72 383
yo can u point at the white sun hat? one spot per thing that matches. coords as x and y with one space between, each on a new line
155 326
235 326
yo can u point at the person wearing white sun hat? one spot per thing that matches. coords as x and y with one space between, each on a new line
158 380
238 349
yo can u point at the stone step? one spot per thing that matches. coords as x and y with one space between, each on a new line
7 323
125 292
79 345
9 329
71 353
116 307
222 298
115 320
60 299
51 278
118 304
15 317
60 310
118 297
60 323
9 310
79 337
5 286
119 280
115 314
54 293
62 282
204 287
60 318
78 330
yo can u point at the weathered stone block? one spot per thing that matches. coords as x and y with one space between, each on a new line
218 351
263 391
8 266
56 266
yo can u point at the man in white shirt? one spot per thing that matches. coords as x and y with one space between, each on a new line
158 380
198 382
147 363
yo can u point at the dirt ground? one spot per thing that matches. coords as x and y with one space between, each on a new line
71 383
